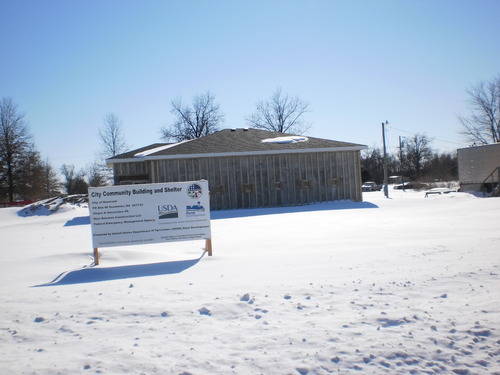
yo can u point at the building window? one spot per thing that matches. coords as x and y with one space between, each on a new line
334 181
247 188
304 184
130 180
218 189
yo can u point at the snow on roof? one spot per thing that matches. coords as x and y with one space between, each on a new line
158 149
289 139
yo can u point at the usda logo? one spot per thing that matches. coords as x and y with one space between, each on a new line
194 191
167 211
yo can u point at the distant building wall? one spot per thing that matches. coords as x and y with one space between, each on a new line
258 180
131 173
476 163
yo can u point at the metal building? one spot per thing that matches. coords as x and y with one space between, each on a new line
479 167
250 168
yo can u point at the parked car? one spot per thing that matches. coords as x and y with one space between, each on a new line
370 186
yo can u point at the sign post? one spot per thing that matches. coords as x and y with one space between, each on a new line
96 256
208 246
126 215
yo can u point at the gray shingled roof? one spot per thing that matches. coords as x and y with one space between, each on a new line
131 153
235 141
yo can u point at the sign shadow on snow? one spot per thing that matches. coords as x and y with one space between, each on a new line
92 274
245 212
324 206
78 220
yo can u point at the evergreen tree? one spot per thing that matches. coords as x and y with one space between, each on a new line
28 180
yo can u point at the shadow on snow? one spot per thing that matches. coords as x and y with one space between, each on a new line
92 274
78 220
325 206
246 212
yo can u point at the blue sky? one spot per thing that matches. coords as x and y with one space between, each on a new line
68 63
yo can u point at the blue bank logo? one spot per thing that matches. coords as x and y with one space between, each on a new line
195 210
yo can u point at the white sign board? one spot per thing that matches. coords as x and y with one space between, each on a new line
149 213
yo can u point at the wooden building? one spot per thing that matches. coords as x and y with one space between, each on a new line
250 168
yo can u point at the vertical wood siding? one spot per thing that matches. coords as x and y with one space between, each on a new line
261 180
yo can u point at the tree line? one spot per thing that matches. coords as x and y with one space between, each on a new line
24 174
415 161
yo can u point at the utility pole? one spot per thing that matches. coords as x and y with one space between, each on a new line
386 188
401 162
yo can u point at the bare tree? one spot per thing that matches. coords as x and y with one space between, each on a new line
280 113
15 141
74 182
50 183
483 124
112 139
417 152
96 175
203 117
68 173
443 167
372 164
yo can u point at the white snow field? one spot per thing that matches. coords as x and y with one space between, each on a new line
407 285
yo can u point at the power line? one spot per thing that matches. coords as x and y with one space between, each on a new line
436 138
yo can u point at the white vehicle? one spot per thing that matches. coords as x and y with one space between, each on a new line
370 186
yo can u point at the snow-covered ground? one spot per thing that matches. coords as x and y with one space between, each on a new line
407 285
